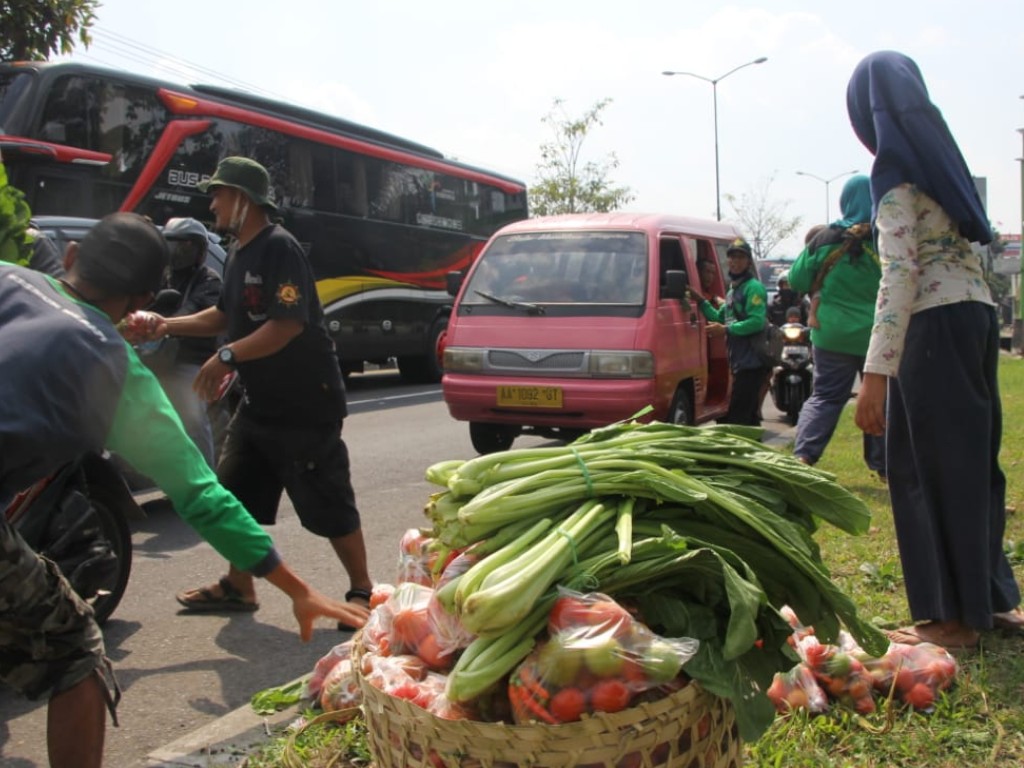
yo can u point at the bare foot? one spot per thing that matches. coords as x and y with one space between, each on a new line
951 635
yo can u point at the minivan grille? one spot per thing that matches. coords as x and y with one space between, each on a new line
536 360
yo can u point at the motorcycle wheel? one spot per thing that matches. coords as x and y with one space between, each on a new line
795 401
104 585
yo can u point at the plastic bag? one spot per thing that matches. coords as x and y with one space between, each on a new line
914 673
797 689
340 690
840 674
597 658
324 665
414 558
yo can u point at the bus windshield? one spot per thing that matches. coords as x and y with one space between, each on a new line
12 86
561 268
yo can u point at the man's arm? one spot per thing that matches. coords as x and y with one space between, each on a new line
269 339
210 322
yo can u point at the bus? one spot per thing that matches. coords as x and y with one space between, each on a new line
382 219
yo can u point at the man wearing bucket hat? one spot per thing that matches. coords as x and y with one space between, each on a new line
742 318
50 645
286 435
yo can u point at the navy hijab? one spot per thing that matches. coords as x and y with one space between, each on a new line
893 117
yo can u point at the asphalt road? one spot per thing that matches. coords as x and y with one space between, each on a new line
181 672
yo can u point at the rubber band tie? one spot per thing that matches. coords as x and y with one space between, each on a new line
585 471
572 543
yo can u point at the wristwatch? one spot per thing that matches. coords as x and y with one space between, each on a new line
227 356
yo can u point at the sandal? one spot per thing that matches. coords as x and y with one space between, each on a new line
204 600
354 595
1009 621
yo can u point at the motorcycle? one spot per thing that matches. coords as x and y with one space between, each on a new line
792 377
78 518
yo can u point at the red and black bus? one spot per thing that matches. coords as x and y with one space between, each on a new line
382 219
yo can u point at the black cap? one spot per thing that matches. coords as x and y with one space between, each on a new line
122 255
741 246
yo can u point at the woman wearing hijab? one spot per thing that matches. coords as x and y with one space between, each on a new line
840 267
933 356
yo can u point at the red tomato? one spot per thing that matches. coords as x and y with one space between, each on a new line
568 704
567 612
920 696
609 696
430 650
410 626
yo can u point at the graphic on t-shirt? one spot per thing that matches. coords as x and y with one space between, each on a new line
288 294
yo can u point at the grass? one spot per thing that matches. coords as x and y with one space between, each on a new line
979 722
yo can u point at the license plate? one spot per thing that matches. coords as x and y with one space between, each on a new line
530 397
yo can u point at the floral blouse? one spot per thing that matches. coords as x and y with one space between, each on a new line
925 263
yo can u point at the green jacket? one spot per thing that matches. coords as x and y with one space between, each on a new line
744 315
846 311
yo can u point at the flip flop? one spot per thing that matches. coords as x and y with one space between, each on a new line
1009 621
912 636
203 600
354 595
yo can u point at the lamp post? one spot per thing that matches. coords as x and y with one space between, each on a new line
714 91
826 182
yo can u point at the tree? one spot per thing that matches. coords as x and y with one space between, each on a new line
763 220
565 183
35 29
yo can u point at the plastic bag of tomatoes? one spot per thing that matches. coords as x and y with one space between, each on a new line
797 689
596 658
914 673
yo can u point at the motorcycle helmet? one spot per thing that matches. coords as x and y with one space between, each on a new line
782 278
188 241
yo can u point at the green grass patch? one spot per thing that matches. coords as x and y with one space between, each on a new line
979 722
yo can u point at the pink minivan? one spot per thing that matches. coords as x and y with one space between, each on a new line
567 323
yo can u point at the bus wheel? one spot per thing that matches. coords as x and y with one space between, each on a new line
426 368
491 438
681 410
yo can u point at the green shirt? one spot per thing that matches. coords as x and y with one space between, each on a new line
846 311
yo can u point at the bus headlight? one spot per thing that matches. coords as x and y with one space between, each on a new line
463 360
629 365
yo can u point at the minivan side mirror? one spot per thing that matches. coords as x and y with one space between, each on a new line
453 282
675 284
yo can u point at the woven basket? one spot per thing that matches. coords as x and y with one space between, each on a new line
689 729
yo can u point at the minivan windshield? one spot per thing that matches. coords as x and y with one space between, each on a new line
530 270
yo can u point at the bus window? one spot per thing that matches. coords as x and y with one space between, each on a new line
121 120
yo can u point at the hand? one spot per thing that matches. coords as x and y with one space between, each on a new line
716 330
140 327
210 379
312 605
870 416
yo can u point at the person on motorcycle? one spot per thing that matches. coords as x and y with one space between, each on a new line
73 385
784 299
178 361
742 319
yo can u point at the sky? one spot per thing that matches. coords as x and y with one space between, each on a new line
474 80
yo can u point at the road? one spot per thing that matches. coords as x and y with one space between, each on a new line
180 672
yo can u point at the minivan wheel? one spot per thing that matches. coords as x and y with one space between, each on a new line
681 410
491 438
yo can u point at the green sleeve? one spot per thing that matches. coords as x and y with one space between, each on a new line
805 269
711 313
755 304
148 434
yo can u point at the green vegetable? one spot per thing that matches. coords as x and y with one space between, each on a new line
708 531
271 700
15 243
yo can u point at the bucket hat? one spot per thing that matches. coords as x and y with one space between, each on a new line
244 174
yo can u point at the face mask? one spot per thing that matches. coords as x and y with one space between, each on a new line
183 255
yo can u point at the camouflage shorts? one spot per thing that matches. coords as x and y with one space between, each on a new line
49 640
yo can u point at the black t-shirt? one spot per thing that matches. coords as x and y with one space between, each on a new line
270 278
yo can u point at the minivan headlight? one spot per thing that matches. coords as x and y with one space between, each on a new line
625 364
463 360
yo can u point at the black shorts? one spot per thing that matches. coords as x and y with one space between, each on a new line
311 464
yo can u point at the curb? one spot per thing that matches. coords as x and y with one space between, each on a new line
226 741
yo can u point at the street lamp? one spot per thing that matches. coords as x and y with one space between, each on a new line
714 89
826 182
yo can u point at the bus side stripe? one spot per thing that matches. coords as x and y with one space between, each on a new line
180 103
